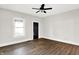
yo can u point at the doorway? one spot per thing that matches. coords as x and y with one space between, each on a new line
35 30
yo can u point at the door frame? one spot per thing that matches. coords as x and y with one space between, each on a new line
38 28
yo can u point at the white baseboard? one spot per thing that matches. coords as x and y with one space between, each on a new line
15 42
60 40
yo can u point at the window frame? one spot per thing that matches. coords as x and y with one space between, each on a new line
15 34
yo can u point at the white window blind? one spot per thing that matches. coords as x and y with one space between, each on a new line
19 27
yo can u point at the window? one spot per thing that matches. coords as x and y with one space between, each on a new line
19 27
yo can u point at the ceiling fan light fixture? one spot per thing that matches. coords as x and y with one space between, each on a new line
42 9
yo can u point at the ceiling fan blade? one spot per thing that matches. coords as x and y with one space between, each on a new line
36 8
47 8
44 11
37 11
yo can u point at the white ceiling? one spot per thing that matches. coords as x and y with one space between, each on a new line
27 8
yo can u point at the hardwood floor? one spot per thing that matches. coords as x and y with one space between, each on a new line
40 47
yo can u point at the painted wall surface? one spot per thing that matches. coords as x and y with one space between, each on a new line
7 26
62 27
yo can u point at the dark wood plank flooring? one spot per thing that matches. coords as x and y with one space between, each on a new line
40 47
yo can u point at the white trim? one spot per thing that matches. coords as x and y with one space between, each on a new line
18 18
15 42
32 27
60 40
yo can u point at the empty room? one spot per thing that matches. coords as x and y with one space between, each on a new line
39 29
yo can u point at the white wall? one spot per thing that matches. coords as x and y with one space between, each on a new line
62 27
7 26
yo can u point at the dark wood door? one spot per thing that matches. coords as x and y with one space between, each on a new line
35 30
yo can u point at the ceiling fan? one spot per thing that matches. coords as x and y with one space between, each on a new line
42 9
